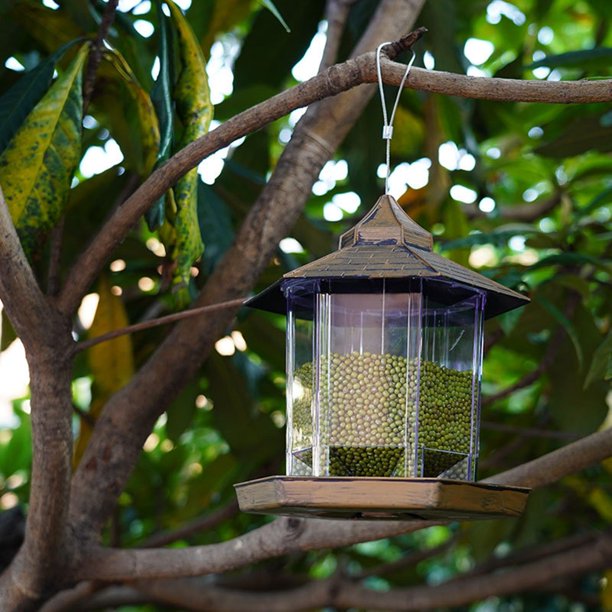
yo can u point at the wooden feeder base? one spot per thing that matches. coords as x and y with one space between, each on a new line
379 498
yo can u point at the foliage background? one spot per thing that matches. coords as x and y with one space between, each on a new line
523 195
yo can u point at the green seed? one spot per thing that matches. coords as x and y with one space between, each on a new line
370 408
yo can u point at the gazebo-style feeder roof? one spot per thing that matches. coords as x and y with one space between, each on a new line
388 244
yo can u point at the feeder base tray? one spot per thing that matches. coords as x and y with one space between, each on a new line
379 498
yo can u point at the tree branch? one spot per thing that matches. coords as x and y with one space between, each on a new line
334 80
288 535
171 318
520 212
95 53
21 296
336 14
553 466
339 592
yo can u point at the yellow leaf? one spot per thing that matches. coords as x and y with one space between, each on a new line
111 363
194 110
129 108
37 166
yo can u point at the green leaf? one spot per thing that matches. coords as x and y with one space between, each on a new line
37 166
215 225
194 110
267 55
601 199
571 259
601 364
599 57
18 101
272 8
248 432
162 101
7 333
574 406
214 20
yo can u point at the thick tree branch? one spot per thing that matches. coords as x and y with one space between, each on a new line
551 467
336 14
340 592
285 536
21 296
40 563
334 80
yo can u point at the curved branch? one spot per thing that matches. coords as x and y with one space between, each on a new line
171 318
339 592
520 212
551 467
287 535
334 80
21 296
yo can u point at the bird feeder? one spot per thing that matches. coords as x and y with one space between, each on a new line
384 355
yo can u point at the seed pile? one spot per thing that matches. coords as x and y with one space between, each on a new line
368 414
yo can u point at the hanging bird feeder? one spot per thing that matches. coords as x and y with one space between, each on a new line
384 354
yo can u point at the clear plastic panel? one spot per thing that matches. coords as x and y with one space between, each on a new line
449 384
368 345
300 380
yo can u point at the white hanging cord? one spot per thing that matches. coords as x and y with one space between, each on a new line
387 132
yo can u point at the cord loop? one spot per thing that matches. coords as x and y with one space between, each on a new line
387 132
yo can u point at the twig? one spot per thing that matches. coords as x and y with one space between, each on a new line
531 432
409 560
171 318
95 54
519 212
336 13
